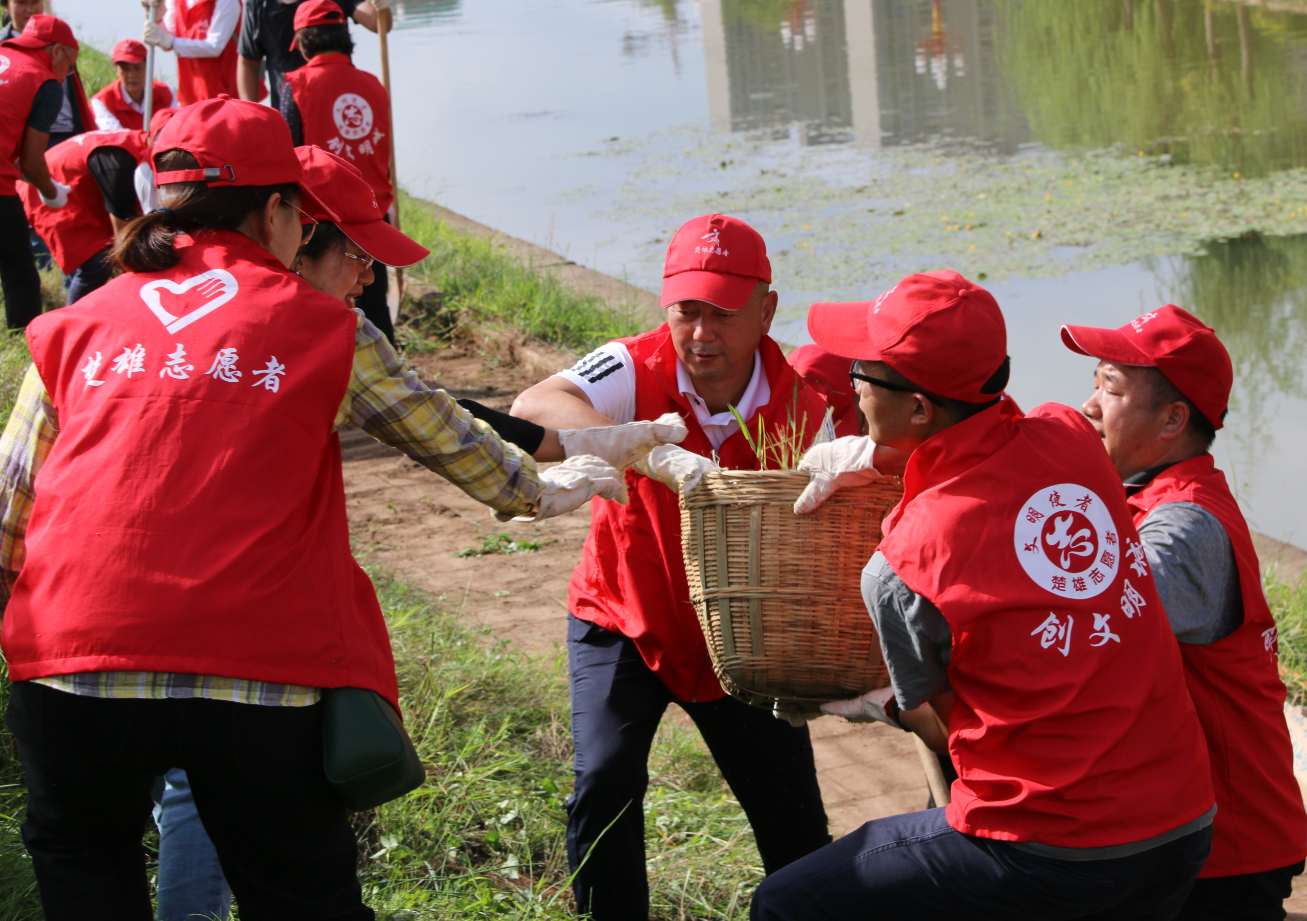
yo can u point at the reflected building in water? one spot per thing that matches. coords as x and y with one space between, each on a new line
881 71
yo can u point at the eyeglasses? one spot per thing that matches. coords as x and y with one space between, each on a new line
312 225
854 377
365 259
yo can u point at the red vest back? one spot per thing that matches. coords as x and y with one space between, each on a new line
21 74
1236 688
631 578
112 98
81 228
202 78
345 110
191 515
1072 726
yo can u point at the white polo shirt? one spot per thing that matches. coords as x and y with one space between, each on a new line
607 377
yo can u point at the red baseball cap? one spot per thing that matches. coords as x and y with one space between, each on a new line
812 361
334 190
128 51
236 143
318 13
937 329
717 259
160 118
42 30
1173 341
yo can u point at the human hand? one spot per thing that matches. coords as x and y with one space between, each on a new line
840 464
795 712
60 195
157 35
573 483
676 468
623 445
380 5
874 706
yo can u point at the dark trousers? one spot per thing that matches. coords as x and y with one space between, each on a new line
91 274
373 302
1249 897
617 703
19 279
282 836
916 866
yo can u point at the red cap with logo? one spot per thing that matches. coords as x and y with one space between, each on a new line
1175 342
942 332
42 30
236 143
717 259
317 13
334 190
128 51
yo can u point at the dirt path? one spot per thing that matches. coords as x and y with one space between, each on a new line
414 524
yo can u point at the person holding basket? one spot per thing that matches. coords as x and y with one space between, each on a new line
1022 632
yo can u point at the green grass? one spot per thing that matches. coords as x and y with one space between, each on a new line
96 69
480 281
1288 602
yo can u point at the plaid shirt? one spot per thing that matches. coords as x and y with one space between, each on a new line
383 399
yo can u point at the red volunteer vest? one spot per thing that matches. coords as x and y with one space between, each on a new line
112 99
191 515
21 74
1236 688
345 110
1072 726
202 78
631 578
81 228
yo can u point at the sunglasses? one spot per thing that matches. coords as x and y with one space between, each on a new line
855 376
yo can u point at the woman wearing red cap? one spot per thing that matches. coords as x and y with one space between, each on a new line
1161 390
121 105
181 586
1007 594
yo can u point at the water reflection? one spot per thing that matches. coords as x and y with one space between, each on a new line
416 14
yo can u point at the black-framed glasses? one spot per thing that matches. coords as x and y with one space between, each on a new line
854 377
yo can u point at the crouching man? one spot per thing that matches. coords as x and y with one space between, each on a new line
634 642
1001 593
1161 390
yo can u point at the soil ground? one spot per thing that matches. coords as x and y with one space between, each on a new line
413 524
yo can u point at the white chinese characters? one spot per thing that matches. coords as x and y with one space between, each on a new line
1053 631
92 368
224 366
131 361
1066 541
1131 601
1102 634
273 372
176 367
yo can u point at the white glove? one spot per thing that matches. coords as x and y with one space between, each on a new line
623 445
380 5
60 195
157 35
795 712
571 484
676 468
867 708
839 464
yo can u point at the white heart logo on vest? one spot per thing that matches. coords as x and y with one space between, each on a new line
216 286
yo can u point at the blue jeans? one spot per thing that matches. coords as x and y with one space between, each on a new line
190 881
91 274
916 866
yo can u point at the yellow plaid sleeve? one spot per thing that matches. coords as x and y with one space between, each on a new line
24 446
392 405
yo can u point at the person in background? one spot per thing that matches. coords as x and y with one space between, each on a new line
1161 390
98 168
831 371
329 103
1000 595
147 194
202 33
73 114
633 639
267 34
34 62
121 105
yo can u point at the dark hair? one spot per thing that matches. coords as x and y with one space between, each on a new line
326 237
1163 391
148 243
314 40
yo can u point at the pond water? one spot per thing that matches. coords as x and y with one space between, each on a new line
1087 161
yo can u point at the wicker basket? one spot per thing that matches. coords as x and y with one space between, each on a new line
779 596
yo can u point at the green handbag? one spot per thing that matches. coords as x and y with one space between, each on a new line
369 758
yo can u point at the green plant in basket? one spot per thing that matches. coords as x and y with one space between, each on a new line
782 449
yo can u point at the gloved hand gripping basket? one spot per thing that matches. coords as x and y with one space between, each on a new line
779 595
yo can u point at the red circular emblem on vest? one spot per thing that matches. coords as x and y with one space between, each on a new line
1067 542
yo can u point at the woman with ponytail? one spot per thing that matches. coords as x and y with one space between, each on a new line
180 588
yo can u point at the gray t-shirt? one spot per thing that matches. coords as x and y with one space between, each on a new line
1194 567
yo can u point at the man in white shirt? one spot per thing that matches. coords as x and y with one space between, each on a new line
634 641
